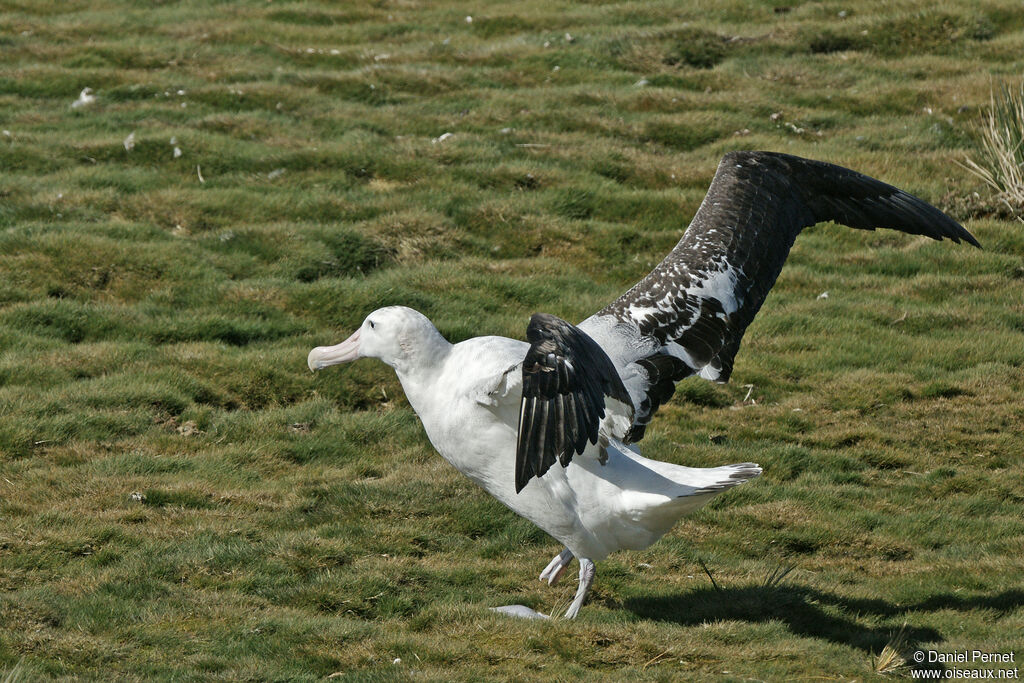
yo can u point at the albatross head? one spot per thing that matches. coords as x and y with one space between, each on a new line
395 335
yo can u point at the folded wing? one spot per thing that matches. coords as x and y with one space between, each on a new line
566 377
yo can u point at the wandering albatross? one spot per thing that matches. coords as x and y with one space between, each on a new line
545 426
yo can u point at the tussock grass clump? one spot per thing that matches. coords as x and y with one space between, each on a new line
999 138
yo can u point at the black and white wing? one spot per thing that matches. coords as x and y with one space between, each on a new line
688 315
566 377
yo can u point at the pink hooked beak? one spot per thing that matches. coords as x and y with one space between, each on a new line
324 356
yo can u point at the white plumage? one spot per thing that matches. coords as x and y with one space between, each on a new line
544 425
467 396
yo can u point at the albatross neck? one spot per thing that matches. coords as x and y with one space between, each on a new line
420 367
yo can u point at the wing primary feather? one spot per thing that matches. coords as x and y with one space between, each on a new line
524 467
595 414
558 427
572 423
550 429
538 454
525 417
563 374
582 419
545 381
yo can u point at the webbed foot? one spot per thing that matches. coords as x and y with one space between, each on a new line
553 572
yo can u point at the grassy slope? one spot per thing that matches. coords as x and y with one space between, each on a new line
153 330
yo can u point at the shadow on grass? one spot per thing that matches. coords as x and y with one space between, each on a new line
814 613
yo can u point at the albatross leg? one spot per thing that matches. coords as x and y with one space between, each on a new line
586 578
553 572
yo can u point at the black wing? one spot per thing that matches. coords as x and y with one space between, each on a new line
688 315
566 377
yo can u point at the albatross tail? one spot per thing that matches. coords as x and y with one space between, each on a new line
673 491
720 478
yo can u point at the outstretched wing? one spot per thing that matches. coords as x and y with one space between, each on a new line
688 315
566 377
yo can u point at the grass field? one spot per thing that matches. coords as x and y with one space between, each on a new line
181 499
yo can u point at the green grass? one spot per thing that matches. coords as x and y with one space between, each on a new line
180 498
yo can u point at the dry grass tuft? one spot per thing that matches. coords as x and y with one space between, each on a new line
1000 138
890 660
776 576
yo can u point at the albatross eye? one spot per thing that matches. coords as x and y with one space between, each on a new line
372 324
